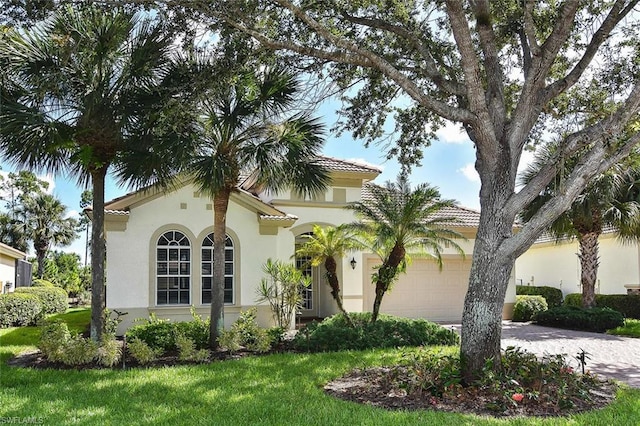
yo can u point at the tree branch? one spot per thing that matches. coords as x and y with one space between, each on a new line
616 14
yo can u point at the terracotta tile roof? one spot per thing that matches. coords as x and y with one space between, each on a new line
340 165
547 237
468 217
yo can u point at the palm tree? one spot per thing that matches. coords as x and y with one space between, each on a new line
324 246
87 92
244 131
609 201
46 224
396 222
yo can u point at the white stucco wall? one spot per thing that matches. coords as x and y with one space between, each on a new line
7 273
557 265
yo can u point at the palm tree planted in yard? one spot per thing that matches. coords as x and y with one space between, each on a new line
46 224
326 246
397 222
245 130
610 200
88 91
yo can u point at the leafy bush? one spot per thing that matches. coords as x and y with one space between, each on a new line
110 352
20 309
552 295
627 304
156 333
335 334
527 306
54 336
246 332
54 299
37 282
79 351
572 317
187 350
142 352
282 290
161 334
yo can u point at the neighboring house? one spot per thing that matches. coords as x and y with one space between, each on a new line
12 272
556 264
159 253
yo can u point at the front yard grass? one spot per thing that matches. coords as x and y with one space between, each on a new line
631 328
280 389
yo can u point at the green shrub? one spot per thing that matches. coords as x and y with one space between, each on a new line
54 336
187 350
161 334
37 282
79 350
527 306
552 295
156 333
20 309
334 333
54 299
110 352
142 352
572 317
246 332
627 304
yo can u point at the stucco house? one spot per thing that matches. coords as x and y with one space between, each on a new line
556 264
11 272
159 253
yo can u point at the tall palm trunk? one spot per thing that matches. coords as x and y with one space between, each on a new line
386 274
41 252
332 278
220 205
589 263
98 254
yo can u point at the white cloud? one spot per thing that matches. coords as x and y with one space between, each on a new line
469 171
74 214
525 159
452 133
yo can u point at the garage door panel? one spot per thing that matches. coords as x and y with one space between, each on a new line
425 291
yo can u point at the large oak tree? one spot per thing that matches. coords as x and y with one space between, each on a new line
504 69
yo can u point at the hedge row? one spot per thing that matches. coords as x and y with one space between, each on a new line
527 306
574 318
28 305
627 304
552 295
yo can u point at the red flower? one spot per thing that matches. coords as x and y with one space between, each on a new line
517 397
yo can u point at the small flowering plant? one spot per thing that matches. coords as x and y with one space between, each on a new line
517 397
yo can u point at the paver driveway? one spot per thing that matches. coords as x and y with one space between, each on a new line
611 356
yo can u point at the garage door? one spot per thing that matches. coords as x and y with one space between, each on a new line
425 291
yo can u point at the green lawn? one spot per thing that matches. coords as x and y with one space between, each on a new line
631 328
269 390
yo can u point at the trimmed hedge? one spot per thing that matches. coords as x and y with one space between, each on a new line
20 309
55 300
574 318
334 334
527 306
161 334
627 304
38 282
552 295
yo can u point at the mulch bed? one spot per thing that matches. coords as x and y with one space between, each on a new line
381 387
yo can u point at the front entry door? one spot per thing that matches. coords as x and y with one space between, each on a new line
309 305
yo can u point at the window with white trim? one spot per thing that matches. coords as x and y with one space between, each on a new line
207 270
173 269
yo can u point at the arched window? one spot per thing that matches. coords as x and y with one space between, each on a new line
207 270
173 269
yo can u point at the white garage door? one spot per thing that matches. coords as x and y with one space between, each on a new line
425 291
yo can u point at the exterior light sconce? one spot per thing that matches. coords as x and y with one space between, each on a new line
353 263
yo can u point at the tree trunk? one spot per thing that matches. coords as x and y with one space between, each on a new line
588 267
98 251
332 279
385 276
41 254
220 206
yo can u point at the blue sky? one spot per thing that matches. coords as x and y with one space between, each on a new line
447 164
